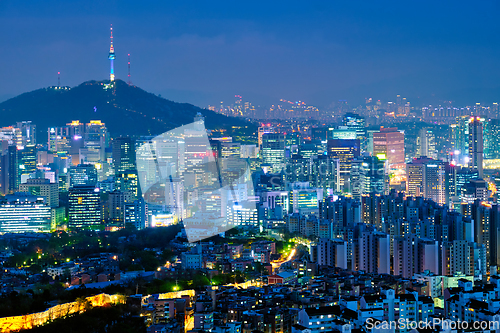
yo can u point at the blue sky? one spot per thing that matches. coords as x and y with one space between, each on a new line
206 51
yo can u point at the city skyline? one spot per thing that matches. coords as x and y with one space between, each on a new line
325 185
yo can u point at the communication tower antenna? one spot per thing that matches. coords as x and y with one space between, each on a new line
129 81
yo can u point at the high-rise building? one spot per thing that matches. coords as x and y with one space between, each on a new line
28 132
492 139
41 187
389 143
23 212
13 168
4 172
345 151
123 154
273 151
367 176
427 177
328 252
129 182
83 174
457 257
413 255
374 252
116 205
27 162
263 130
476 145
426 144
135 214
96 139
84 207
475 189
242 214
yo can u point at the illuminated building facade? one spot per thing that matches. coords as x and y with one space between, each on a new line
242 214
476 145
83 174
426 144
428 178
273 151
389 143
84 207
123 154
23 212
345 151
367 176
41 187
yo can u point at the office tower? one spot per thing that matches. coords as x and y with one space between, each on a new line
230 149
367 176
28 132
123 154
328 252
475 189
325 173
355 123
41 187
14 177
342 132
27 162
136 214
273 151
415 178
476 145
83 174
129 182
308 150
84 207
492 139
12 135
427 177
4 172
59 139
426 144
435 182
297 169
242 214
263 130
23 212
96 139
389 144
374 253
345 151
116 204
196 149
304 200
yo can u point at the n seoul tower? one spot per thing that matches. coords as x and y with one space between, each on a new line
111 57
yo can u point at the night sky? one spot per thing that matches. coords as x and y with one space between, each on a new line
204 51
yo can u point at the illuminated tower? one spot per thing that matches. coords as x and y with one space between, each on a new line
476 145
111 57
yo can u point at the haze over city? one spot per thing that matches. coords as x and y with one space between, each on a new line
205 52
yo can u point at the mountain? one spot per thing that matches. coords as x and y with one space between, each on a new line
126 110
